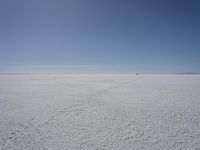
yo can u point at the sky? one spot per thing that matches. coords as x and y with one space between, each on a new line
100 36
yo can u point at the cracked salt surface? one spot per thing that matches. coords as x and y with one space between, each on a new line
99 112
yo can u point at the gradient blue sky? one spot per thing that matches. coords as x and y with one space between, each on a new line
149 36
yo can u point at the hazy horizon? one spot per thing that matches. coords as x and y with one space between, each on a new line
82 69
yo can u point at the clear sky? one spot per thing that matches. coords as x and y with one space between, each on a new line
149 36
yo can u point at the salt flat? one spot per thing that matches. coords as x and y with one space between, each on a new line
99 112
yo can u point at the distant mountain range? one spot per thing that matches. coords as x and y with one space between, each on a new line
188 73
19 73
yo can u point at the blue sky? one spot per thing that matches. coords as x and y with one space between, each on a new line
149 36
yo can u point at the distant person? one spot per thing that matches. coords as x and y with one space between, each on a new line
137 74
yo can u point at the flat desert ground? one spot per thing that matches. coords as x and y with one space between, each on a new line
99 112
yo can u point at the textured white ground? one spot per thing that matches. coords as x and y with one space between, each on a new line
99 112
